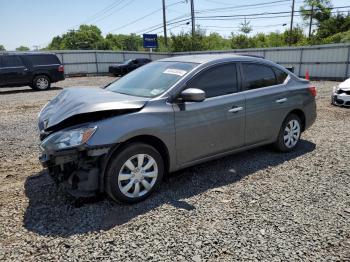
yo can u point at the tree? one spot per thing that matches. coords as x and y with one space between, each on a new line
245 27
321 10
2 48
86 37
241 41
335 24
22 48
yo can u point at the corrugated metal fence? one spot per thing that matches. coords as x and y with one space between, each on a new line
324 61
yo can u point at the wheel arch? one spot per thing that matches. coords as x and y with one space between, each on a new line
35 74
300 113
151 140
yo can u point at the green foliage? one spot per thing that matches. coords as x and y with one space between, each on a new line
321 10
245 27
130 42
86 37
330 29
2 48
343 37
22 48
334 25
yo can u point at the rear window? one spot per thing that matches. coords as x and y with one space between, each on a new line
10 61
257 76
42 59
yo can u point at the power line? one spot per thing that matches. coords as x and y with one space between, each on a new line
155 27
101 12
183 20
259 14
143 17
121 8
238 6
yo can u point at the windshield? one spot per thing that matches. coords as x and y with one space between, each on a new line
126 62
152 79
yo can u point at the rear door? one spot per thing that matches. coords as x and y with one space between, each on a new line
215 125
13 71
266 101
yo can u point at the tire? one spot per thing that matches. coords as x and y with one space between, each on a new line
126 180
288 140
41 83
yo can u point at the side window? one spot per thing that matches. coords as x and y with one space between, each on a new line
280 76
257 76
217 81
42 59
11 61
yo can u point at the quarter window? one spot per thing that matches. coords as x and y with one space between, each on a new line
42 59
257 76
217 81
280 76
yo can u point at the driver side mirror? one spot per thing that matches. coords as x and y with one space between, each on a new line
192 95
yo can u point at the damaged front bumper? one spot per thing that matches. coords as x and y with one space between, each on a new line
341 98
78 170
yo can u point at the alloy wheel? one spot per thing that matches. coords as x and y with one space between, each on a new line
42 83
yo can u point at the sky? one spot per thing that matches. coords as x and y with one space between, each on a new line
35 22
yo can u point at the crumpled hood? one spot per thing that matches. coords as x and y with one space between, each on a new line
345 85
75 102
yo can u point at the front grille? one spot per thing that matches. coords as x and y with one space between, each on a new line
340 91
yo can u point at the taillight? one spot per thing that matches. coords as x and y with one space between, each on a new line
61 68
313 90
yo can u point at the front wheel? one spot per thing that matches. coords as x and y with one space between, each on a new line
289 134
134 173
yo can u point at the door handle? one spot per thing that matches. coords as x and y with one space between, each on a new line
235 109
282 100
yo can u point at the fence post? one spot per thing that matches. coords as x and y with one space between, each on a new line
300 60
347 63
63 63
96 62
123 56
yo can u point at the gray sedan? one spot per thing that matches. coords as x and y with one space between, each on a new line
168 115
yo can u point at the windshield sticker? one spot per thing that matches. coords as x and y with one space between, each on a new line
173 71
156 92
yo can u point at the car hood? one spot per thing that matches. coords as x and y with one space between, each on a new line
345 85
77 104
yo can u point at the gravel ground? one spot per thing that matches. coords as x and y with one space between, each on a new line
256 205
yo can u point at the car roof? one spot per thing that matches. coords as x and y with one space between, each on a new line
206 58
26 53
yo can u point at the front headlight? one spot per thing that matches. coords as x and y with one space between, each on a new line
67 139
335 89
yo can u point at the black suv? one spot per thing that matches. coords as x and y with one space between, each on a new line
128 66
38 70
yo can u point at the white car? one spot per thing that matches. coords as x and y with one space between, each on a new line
341 94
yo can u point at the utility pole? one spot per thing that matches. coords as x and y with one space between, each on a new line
192 19
311 16
291 25
164 25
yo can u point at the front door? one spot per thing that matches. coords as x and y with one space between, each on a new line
215 125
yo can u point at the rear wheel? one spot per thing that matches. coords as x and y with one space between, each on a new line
134 173
289 134
41 82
